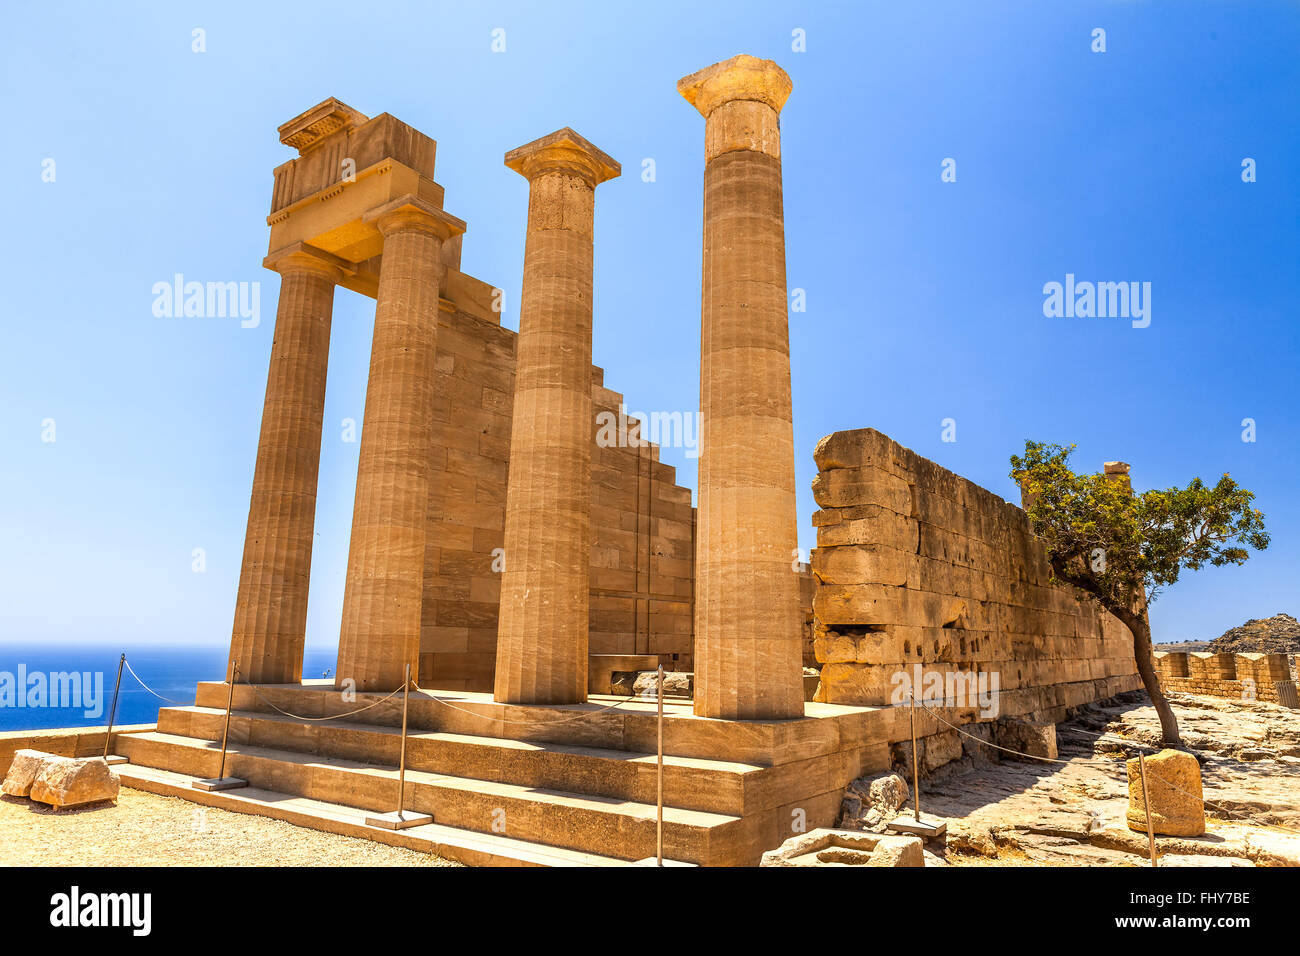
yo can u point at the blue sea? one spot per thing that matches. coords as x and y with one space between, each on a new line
45 685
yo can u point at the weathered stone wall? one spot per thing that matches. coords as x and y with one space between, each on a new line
1264 677
65 742
916 565
642 522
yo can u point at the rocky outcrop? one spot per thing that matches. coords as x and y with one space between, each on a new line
1279 634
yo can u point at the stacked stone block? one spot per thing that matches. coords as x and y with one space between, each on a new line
1265 677
918 566
642 522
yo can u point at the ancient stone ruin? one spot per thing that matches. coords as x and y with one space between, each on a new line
920 568
1264 677
517 563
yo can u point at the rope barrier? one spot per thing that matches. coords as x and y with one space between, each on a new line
350 713
167 700
981 740
504 720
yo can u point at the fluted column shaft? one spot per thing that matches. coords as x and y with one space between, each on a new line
542 629
380 633
748 647
271 607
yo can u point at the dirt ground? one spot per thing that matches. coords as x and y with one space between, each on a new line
144 829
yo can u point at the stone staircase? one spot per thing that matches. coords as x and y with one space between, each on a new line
506 784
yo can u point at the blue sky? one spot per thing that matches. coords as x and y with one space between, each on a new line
924 298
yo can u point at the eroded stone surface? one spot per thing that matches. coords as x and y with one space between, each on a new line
73 781
1173 791
827 847
22 772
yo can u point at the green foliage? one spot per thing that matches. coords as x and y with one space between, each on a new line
1110 542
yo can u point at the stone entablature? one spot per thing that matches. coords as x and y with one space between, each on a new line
1247 677
915 565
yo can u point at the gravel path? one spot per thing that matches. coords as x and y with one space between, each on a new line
148 830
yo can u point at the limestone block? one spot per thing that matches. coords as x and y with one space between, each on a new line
827 847
870 525
859 448
23 771
1026 737
845 488
866 564
72 781
1174 789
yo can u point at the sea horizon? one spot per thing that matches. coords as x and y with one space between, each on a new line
45 686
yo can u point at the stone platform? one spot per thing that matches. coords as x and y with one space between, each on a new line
577 778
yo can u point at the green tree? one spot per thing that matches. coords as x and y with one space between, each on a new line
1125 548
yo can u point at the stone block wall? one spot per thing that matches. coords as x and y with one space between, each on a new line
643 523
918 566
1264 677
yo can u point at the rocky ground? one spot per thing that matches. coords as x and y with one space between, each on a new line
148 830
1073 813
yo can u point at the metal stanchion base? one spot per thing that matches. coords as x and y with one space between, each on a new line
114 759
922 828
220 783
399 821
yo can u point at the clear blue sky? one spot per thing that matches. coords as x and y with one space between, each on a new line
924 298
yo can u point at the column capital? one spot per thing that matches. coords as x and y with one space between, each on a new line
563 151
412 212
304 257
742 77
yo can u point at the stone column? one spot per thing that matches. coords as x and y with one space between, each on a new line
542 631
748 646
271 607
382 596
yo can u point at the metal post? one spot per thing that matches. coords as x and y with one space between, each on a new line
400 819
225 734
108 737
659 822
401 767
1146 805
916 774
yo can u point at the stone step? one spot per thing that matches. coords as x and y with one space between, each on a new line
605 826
451 843
690 783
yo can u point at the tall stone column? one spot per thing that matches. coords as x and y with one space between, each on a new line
382 596
542 630
271 607
748 649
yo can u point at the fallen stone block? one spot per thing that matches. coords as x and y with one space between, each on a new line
676 684
73 781
826 847
1174 790
871 802
22 772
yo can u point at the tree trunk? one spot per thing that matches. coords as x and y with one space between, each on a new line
1140 626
